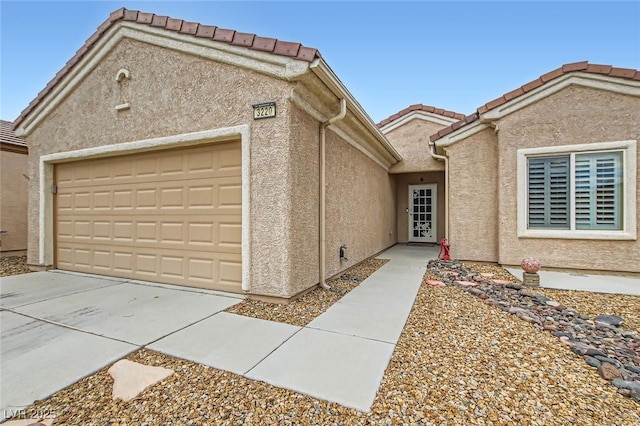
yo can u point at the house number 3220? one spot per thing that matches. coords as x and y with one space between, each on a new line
265 110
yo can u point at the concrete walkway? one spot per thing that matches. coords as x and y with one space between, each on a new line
340 356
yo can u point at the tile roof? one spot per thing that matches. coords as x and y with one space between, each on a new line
626 73
7 135
250 41
420 107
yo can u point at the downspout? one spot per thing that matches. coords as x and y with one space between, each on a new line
323 207
444 158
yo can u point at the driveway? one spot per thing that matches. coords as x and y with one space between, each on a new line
57 328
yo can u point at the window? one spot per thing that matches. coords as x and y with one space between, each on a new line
578 191
597 180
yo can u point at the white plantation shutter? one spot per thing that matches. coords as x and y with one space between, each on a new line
598 190
548 185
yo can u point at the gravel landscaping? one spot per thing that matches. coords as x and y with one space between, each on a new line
461 360
13 265
305 309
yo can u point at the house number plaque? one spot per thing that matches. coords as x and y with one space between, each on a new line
264 110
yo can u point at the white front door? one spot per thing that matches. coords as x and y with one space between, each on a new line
422 213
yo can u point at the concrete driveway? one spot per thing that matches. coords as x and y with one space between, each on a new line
57 328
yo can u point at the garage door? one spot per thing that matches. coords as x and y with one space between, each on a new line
170 216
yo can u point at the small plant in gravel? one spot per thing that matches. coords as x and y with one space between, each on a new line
603 344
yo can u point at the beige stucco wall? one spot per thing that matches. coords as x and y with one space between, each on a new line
575 115
473 201
304 213
402 200
14 187
173 93
360 205
411 140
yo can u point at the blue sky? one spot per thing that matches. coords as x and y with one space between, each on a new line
453 55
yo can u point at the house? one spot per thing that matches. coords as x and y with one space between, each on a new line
548 170
14 187
188 154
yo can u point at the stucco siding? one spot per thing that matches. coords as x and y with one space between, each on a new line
402 201
575 115
411 140
360 205
174 93
304 211
14 187
473 201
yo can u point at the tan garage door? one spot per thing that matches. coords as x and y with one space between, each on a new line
170 216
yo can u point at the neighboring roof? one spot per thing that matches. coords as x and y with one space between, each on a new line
420 107
248 40
607 70
8 137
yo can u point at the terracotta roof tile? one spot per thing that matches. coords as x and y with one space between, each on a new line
599 69
265 44
286 48
159 21
532 85
130 15
173 24
576 66
145 18
189 27
7 135
551 75
583 66
116 14
420 107
250 41
205 31
243 39
622 72
223 35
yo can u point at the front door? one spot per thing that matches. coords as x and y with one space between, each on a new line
422 213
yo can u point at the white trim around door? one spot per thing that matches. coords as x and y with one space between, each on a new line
423 213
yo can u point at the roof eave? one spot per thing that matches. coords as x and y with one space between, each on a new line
283 67
322 70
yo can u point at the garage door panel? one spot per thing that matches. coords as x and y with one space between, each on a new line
172 216
193 268
211 233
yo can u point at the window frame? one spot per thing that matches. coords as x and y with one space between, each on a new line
628 196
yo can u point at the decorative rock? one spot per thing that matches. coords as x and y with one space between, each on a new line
593 361
501 282
435 283
29 422
466 283
530 265
552 303
632 368
530 280
612 320
608 371
131 378
609 360
514 286
626 384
